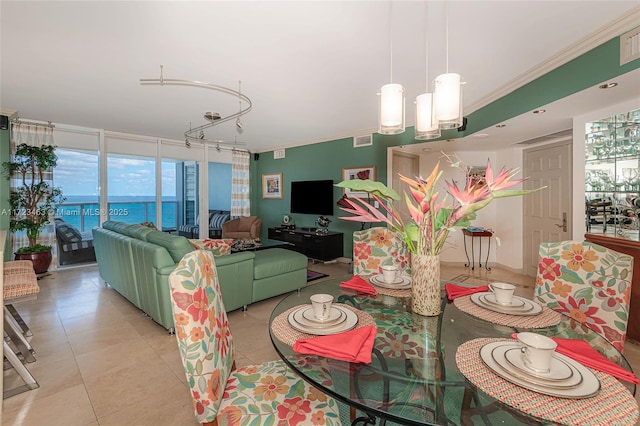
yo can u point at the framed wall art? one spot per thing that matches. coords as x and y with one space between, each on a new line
272 185
477 175
364 173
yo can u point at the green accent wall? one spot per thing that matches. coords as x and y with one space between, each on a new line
4 189
327 159
597 65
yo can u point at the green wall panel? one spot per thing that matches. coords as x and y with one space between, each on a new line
597 65
317 162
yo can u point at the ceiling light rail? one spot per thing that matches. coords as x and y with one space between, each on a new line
196 134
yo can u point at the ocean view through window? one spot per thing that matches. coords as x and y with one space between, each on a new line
131 189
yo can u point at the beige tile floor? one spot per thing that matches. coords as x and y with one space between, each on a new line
100 361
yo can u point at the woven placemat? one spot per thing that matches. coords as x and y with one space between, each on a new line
393 292
288 335
613 405
546 318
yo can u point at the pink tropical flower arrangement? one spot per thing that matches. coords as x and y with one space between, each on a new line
432 217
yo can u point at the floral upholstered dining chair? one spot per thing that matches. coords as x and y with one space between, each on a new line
375 247
265 394
588 282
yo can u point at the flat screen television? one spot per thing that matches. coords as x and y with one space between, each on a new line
312 197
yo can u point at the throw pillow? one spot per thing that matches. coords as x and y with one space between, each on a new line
67 233
245 243
149 225
219 247
217 220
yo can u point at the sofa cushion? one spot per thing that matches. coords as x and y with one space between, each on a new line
276 261
139 232
217 220
115 226
67 233
176 246
219 247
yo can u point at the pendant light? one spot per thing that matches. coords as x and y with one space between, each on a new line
391 97
448 91
426 126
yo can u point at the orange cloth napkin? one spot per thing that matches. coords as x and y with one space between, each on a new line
581 351
353 346
454 291
358 284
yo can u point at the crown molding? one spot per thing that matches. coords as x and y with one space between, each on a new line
614 29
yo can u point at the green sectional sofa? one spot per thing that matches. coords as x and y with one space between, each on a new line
136 261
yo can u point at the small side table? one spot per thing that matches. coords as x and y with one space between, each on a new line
479 235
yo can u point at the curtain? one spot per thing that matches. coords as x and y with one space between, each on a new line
34 135
240 203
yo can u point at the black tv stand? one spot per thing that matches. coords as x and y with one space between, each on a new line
309 242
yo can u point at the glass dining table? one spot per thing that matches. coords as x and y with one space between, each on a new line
414 378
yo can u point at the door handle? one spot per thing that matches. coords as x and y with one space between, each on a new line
564 222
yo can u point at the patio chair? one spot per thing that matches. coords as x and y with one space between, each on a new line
267 393
375 247
588 282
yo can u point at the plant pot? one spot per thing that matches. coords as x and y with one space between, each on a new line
41 260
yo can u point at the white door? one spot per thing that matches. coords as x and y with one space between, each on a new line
407 165
547 213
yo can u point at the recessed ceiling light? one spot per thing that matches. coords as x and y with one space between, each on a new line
608 85
480 135
500 126
540 111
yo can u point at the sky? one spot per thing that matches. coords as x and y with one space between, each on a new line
77 173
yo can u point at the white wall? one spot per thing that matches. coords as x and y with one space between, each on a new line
509 215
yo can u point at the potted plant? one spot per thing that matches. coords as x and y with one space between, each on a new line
433 217
32 202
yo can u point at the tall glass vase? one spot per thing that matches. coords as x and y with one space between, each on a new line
425 284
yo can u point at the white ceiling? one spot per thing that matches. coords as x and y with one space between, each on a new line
311 68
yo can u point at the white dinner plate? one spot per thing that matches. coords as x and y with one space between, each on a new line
351 320
405 282
573 378
516 302
524 307
298 317
558 371
588 387
529 307
332 319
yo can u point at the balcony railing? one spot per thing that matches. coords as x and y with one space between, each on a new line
85 216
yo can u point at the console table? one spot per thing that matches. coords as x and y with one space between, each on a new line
474 235
310 242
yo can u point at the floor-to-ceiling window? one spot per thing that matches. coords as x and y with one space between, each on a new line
78 175
131 188
179 193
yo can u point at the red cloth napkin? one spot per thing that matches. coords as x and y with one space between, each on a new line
581 351
353 346
358 284
454 291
